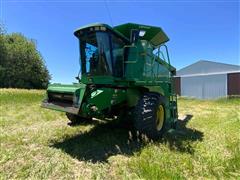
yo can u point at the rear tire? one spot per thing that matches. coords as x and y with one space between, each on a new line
75 119
149 115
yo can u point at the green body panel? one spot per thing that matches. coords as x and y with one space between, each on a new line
97 79
107 97
133 95
65 88
104 96
157 89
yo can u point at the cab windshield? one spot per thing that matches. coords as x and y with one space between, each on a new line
101 53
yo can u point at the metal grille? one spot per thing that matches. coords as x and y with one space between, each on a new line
60 97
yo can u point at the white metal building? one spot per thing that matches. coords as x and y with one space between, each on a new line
208 80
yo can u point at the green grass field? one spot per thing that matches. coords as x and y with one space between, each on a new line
38 143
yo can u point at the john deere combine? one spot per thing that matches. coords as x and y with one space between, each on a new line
125 73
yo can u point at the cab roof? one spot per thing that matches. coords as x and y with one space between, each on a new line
155 35
99 26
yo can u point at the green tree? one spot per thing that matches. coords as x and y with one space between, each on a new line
2 54
21 65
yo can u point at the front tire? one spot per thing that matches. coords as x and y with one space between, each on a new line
150 115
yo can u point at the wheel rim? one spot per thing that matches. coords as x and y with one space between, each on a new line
160 117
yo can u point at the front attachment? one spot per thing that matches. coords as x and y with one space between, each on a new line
66 98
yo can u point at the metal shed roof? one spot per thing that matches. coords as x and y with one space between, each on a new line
204 67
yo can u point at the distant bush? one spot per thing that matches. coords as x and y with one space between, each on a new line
21 64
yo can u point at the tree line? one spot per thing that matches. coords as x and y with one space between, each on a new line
21 64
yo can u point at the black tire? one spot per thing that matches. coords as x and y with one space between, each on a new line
148 113
75 119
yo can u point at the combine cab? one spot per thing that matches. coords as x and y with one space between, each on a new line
125 73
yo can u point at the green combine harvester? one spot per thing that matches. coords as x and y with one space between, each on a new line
126 74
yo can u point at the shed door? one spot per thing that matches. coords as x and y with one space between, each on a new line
204 87
234 84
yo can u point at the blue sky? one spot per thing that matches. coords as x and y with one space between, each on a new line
207 30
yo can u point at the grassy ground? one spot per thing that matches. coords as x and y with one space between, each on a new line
38 143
